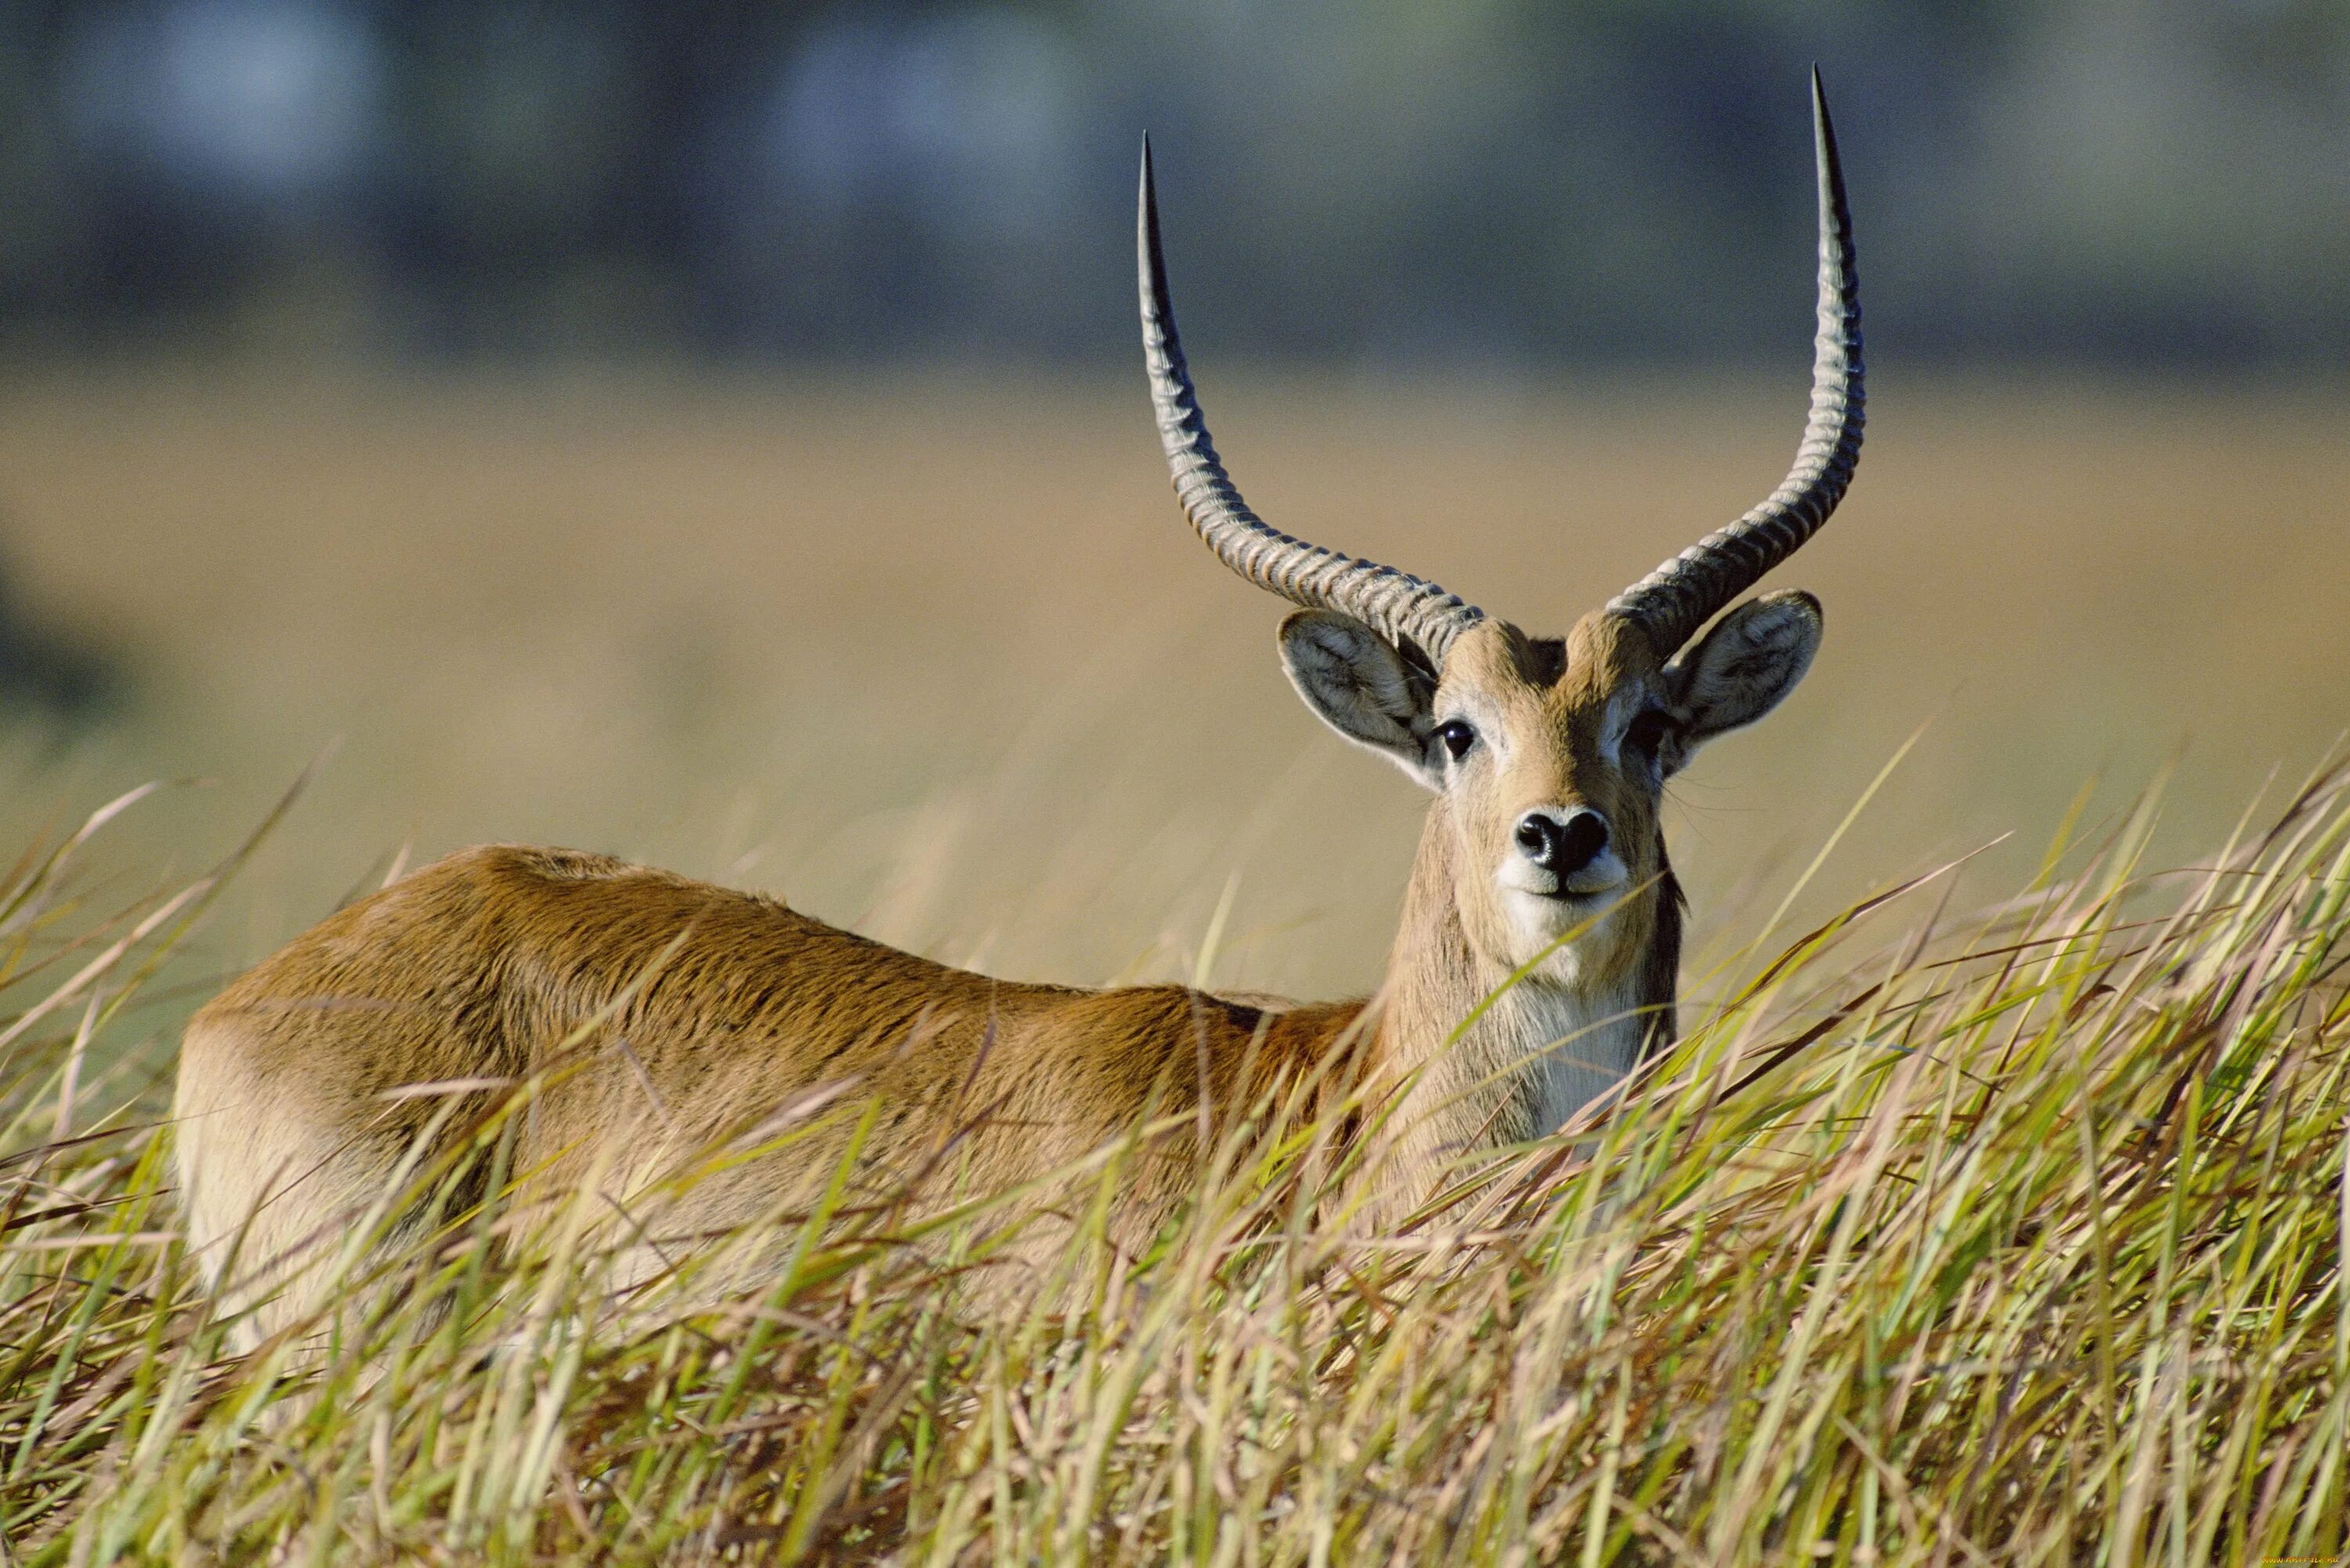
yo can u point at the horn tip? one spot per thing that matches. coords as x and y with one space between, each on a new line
1146 222
1823 136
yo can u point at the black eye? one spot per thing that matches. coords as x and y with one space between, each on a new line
1646 733
1457 736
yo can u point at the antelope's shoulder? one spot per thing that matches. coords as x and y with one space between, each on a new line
1235 1047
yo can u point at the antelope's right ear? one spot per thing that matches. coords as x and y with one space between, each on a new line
1362 688
1752 659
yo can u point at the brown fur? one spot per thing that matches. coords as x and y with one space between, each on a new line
662 1019
704 1013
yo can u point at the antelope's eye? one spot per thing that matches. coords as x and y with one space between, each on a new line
1457 736
1646 733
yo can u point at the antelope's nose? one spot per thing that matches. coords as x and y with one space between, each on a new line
1565 844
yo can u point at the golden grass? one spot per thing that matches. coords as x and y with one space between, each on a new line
2007 1237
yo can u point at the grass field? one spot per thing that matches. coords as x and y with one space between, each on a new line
2004 1223
940 658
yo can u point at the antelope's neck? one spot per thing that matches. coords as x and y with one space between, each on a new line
1490 1066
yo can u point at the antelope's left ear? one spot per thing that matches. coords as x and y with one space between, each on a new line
1362 688
1752 659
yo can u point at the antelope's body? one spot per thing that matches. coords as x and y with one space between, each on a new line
666 1024
668 1019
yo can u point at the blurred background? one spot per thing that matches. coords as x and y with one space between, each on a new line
710 433
1483 183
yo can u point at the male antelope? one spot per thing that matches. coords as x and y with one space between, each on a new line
703 1011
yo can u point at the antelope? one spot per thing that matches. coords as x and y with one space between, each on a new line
1534 966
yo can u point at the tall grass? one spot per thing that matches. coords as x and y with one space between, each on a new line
2011 1238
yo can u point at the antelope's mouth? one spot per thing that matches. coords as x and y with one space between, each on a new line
1545 911
1568 906
1585 888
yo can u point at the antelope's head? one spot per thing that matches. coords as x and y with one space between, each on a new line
1547 756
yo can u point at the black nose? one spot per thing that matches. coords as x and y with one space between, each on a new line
1562 848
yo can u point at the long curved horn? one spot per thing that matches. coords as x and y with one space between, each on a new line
1400 606
1674 600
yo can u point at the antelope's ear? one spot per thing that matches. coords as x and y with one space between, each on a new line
1752 659
1362 688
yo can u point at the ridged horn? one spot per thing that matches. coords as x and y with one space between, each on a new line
1670 603
1402 609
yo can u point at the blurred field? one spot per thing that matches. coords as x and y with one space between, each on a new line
936 657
